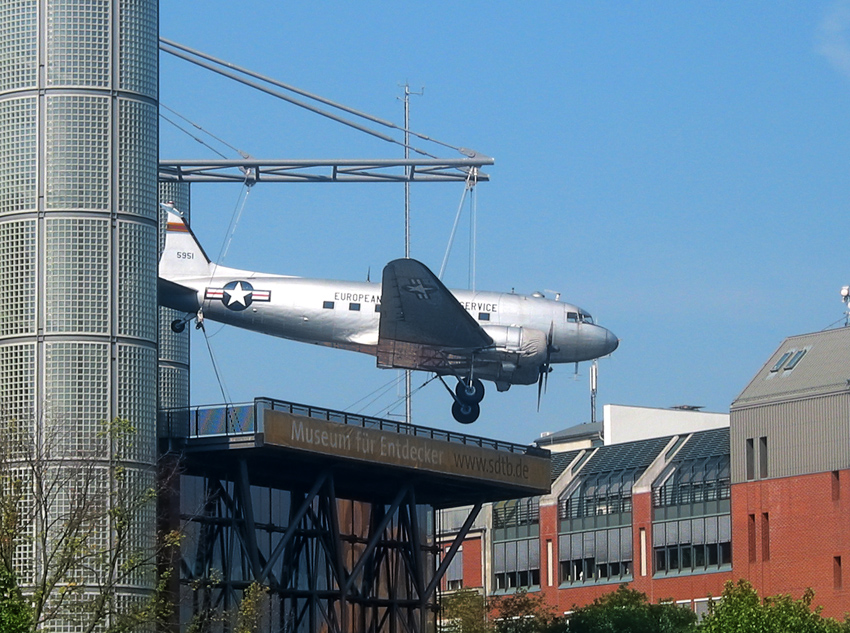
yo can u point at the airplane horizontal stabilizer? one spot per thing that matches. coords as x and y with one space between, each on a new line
177 297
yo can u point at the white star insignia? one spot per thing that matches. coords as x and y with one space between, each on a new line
237 294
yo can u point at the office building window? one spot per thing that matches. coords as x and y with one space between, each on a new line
599 494
693 481
692 544
516 564
751 537
763 457
837 580
765 536
836 485
454 574
750 458
595 556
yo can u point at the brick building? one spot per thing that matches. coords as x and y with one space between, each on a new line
677 502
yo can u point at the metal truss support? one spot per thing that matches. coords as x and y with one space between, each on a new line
251 171
328 564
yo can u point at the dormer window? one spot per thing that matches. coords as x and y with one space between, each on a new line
781 361
795 359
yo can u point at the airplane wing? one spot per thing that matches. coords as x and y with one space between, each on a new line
421 321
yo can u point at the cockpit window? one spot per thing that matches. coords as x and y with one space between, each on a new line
572 317
586 318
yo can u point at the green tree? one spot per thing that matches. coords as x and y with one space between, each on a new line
15 613
741 609
56 505
627 611
464 611
251 608
521 612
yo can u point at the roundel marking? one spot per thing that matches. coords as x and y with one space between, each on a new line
237 295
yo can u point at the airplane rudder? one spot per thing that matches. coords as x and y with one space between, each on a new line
183 255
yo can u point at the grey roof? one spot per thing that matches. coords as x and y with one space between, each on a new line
560 461
591 429
824 369
637 455
702 444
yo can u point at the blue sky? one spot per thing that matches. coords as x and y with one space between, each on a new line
680 170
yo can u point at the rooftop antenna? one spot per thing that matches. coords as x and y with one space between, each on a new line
408 386
594 372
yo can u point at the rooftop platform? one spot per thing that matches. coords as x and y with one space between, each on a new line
287 445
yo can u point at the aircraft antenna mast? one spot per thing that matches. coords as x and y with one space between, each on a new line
408 375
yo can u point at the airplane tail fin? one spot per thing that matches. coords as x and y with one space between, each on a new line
182 256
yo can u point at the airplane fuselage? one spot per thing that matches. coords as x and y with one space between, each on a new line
345 314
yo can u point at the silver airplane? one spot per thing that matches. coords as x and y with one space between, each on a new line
408 321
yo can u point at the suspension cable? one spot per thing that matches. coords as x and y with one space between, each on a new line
219 66
469 184
386 410
192 136
198 127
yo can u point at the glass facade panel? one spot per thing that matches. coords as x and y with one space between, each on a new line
17 384
17 278
137 158
173 347
18 40
137 398
138 56
78 43
77 393
78 157
137 280
17 154
77 293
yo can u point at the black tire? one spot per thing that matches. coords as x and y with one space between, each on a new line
465 413
178 325
470 392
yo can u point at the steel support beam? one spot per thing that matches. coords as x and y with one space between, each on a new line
250 171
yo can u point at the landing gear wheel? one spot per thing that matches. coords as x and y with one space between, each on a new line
470 392
466 413
178 325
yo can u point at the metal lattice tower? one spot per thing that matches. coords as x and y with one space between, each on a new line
78 238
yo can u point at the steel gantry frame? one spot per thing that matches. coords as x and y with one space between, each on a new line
327 563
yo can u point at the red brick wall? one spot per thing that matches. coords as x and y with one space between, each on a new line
678 588
807 529
473 562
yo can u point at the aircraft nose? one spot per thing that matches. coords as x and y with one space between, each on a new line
611 342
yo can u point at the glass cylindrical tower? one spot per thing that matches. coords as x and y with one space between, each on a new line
78 253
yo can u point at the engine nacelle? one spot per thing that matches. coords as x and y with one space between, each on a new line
523 346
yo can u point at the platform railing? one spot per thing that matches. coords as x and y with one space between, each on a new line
247 419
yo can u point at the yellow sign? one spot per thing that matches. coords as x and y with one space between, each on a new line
408 451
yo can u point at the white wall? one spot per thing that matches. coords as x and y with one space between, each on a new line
626 424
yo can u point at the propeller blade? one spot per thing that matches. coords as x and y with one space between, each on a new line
545 368
539 388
